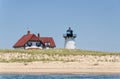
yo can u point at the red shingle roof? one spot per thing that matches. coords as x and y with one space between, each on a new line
48 39
32 37
22 41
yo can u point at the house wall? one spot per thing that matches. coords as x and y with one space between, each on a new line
33 46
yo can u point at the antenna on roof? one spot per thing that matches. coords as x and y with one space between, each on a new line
28 30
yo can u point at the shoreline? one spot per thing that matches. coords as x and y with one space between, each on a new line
85 73
57 67
60 73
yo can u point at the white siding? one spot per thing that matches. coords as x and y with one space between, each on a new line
33 46
70 43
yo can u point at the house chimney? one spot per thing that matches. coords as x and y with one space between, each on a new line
38 35
28 32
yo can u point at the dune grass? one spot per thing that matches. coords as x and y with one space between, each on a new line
60 52
9 55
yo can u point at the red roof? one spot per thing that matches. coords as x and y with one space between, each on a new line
22 41
48 39
32 37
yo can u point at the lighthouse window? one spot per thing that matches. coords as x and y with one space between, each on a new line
68 32
29 44
38 44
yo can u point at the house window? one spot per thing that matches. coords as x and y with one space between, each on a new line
29 44
47 44
38 44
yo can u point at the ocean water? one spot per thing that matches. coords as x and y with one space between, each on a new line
59 76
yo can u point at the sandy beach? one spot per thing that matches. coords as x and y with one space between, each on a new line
60 68
37 63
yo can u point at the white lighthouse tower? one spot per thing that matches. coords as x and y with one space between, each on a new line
69 39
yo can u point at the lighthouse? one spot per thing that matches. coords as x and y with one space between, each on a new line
69 39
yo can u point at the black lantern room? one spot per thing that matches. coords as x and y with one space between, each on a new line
69 33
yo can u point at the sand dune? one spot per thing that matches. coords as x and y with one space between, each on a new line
56 64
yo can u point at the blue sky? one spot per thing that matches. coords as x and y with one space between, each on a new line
96 22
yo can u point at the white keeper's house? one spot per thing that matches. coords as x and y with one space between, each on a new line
32 41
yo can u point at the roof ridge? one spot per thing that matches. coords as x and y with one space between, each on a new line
30 38
46 37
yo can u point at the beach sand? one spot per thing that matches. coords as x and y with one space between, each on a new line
55 64
58 67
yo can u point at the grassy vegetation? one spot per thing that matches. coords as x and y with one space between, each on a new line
9 55
60 52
